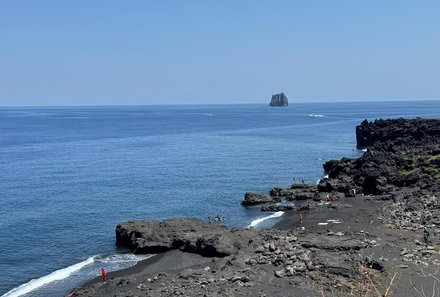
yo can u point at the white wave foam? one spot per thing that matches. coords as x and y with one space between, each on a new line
258 221
315 115
325 176
122 258
83 270
52 277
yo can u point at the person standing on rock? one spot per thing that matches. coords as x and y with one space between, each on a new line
425 234
104 274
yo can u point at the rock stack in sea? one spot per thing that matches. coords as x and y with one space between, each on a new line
279 100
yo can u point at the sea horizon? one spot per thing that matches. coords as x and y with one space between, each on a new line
224 103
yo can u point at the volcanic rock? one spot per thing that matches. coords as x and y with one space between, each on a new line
251 198
279 100
188 235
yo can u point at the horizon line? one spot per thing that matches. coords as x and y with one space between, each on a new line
207 104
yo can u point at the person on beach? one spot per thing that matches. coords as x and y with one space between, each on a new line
425 235
300 218
104 274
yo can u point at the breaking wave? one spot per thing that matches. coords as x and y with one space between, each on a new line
260 220
87 269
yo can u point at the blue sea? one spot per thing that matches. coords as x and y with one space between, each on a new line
69 175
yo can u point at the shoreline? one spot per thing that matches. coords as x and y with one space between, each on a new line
358 224
369 228
160 262
175 262
289 220
144 265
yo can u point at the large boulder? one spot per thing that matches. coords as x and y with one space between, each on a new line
329 165
252 198
294 190
188 235
328 185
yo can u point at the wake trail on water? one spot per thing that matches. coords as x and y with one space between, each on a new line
260 220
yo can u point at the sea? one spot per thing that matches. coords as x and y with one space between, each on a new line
69 175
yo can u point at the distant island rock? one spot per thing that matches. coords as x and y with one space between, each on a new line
279 100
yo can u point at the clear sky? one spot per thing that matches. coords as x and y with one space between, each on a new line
108 52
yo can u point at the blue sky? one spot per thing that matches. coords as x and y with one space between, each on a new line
184 52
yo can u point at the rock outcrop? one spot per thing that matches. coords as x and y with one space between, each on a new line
279 100
398 131
252 198
400 153
273 202
245 261
188 235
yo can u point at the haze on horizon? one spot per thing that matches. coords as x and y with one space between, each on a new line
191 52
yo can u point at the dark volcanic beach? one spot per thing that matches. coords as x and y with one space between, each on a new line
369 229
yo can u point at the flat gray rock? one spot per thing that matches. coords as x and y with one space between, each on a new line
188 235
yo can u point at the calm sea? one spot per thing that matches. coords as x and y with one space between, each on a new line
69 175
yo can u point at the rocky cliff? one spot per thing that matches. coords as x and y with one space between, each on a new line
401 153
279 100
399 131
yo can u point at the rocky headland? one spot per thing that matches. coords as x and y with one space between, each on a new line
370 228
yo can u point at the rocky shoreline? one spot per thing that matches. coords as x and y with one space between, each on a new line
368 229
